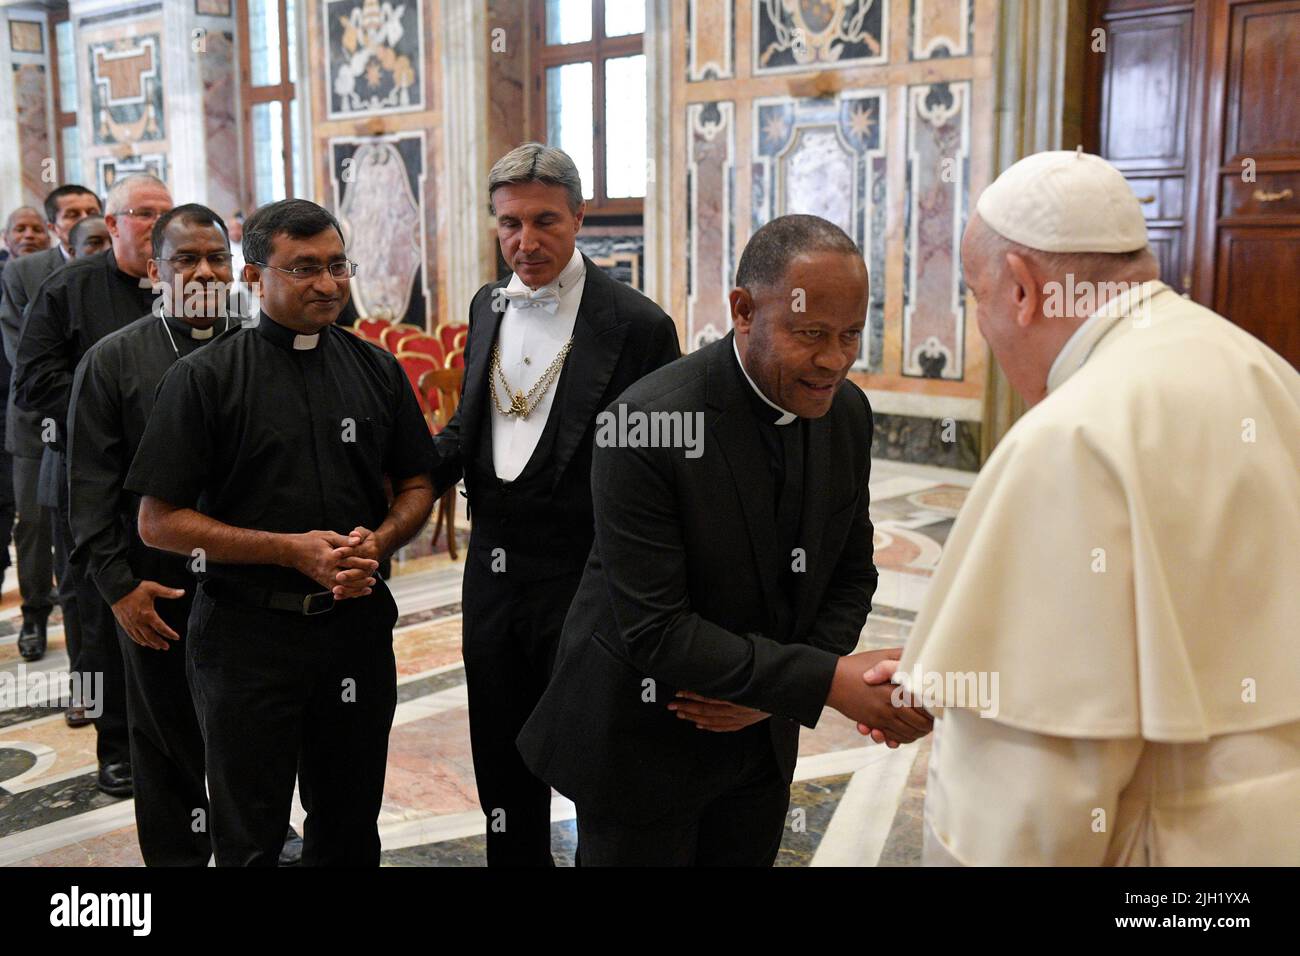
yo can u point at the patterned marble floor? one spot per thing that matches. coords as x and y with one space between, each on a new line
851 804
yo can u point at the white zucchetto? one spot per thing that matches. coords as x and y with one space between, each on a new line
1064 201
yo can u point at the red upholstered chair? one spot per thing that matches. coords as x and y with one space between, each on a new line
447 333
415 364
456 359
441 390
393 336
372 328
427 345
462 337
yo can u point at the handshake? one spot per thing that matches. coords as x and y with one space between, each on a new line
861 690
343 564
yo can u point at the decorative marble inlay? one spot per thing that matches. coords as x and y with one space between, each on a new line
710 40
826 157
220 121
126 93
378 185
710 233
25 36
814 34
33 129
109 168
941 28
938 173
374 56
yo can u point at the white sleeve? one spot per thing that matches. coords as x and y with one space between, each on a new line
998 796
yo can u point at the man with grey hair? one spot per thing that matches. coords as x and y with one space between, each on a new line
1125 566
548 349
73 309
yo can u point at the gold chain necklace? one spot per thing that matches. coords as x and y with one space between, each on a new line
521 404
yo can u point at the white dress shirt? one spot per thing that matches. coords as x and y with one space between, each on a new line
530 337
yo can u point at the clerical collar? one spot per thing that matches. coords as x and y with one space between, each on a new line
782 416
1079 346
562 283
286 337
189 331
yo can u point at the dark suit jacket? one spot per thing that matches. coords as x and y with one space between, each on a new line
619 336
678 593
22 277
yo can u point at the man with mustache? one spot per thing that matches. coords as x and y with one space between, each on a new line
548 349
724 587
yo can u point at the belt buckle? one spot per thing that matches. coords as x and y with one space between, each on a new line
318 603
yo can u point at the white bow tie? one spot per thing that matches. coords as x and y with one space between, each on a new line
547 299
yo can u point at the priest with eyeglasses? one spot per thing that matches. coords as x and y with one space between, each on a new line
268 457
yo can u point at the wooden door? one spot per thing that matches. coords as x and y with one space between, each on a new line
1198 104
1249 253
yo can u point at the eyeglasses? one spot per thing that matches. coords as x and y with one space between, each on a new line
148 215
186 262
342 269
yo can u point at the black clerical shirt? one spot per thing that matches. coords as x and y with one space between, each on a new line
285 433
112 396
73 309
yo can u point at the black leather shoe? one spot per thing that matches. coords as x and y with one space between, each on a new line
75 715
115 780
291 852
31 639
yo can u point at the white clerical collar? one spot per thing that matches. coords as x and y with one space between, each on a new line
146 283
304 342
1079 346
197 333
786 417
562 284
67 256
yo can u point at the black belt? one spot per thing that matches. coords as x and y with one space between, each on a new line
253 596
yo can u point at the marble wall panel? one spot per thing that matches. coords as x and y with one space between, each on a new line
941 28
378 185
30 98
710 40
126 89
217 73
374 57
798 35
826 157
937 186
710 229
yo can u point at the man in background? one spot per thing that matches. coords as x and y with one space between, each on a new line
74 308
90 236
65 207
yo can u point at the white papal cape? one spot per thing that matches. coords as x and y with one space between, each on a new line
1128 564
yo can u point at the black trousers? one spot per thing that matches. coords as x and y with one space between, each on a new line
91 633
281 694
737 821
511 632
34 539
171 801
8 503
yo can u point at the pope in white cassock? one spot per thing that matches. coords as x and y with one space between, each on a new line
1127 563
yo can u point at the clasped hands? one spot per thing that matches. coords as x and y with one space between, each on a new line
861 690
343 564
